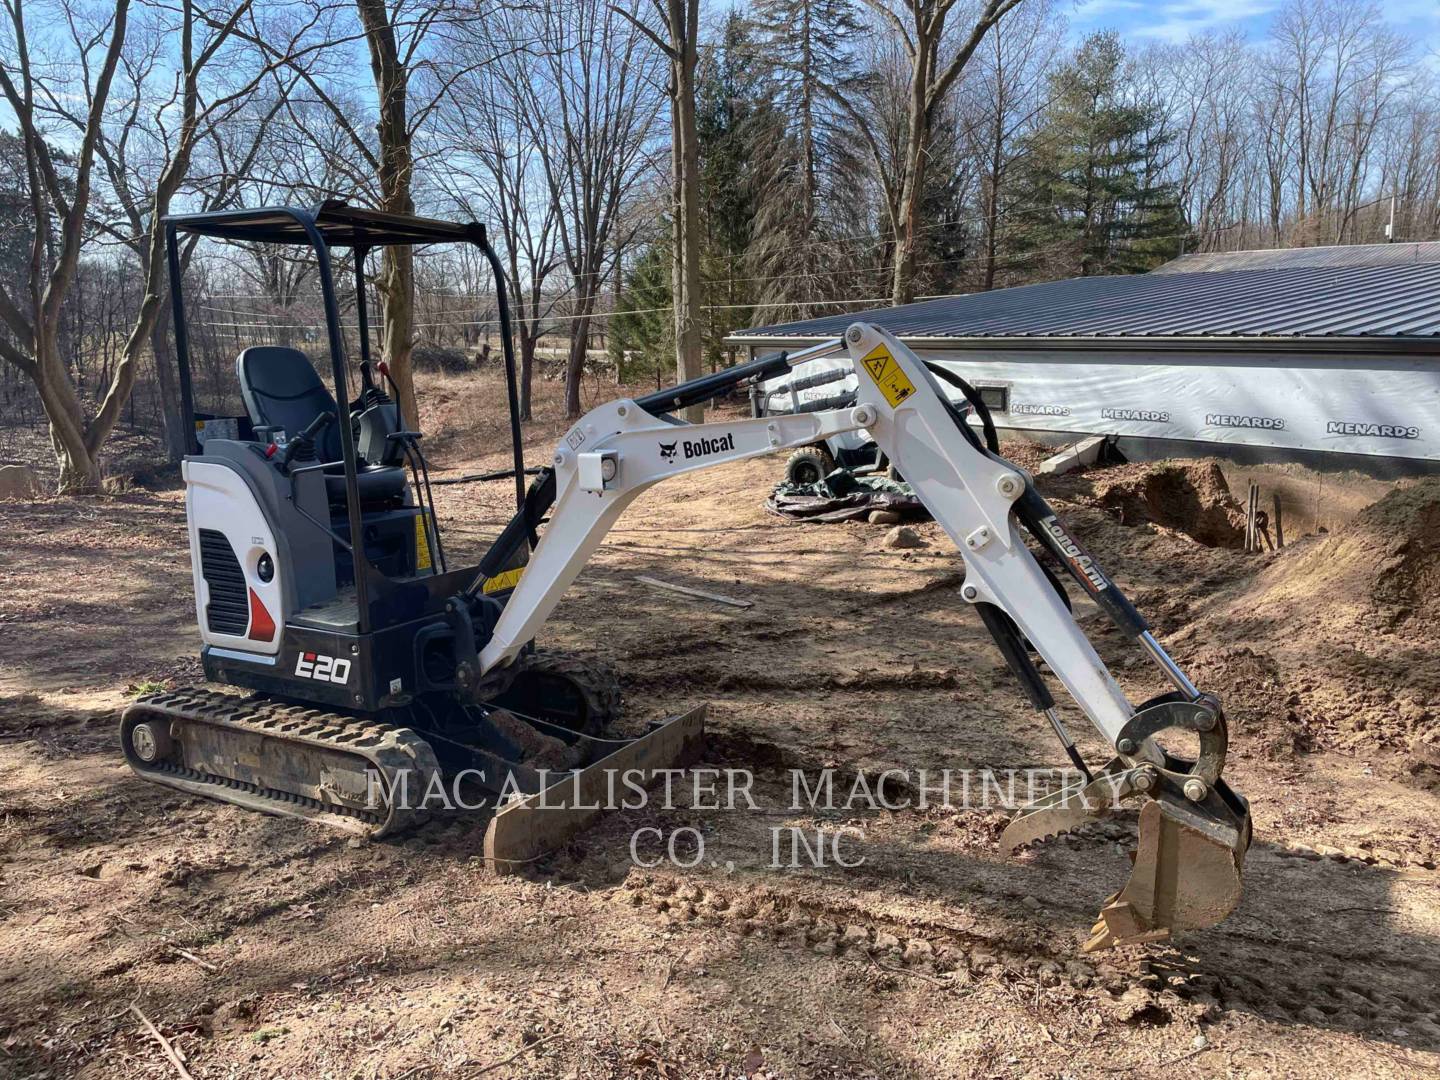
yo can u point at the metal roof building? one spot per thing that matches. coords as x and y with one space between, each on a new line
1283 258
1261 355
1301 302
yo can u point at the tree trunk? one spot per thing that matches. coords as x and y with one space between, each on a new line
685 161
174 422
79 467
527 372
912 190
575 364
396 283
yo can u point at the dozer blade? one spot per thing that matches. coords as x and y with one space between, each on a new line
528 828
1186 873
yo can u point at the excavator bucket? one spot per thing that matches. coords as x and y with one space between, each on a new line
1182 879
1186 867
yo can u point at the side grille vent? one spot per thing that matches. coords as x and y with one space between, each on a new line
229 609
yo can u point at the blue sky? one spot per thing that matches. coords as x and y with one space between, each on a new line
1175 20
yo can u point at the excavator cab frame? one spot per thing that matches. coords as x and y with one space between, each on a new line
333 224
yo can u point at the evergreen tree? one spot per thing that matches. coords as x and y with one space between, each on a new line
1093 204
642 330
729 117
804 44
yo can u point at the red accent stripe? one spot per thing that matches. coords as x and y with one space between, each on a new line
262 626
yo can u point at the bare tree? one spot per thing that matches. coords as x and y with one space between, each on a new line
680 47
383 169
923 30
493 172
148 156
1002 102
587 97
59 208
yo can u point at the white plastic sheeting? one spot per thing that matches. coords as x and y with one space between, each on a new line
1383 406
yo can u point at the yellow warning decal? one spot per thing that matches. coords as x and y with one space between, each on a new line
422 544
503 582
894 384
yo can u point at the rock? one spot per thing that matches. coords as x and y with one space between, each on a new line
856 935
883 517
1199 1042
885 942
21 482
1031 903
824 948
902 536
918 951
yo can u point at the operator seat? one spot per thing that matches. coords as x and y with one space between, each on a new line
282 390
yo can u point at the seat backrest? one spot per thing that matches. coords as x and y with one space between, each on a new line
281 389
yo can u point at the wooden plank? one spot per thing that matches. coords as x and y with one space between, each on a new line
525 830
688 591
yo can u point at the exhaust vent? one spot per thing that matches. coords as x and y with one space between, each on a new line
229 609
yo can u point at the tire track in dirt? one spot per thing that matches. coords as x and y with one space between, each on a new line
1151 987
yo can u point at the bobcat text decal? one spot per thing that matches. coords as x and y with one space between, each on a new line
702 447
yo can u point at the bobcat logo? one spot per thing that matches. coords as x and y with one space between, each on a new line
667 450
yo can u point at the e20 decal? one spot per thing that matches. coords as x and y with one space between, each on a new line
311 665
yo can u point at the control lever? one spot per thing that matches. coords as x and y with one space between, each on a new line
306 439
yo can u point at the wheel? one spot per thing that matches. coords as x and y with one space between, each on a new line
809 465
151 741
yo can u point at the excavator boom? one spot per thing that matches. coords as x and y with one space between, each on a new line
1193 830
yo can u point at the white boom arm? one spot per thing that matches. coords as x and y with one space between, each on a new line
618 450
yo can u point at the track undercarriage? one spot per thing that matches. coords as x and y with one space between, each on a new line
379 775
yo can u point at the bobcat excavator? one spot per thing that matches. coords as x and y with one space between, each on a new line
378 671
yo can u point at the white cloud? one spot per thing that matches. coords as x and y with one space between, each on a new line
1183 18
1094 9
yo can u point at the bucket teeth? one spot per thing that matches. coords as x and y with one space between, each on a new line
1069 808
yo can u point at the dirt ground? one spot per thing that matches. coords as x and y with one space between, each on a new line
263 947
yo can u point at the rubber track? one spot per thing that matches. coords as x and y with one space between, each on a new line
390 749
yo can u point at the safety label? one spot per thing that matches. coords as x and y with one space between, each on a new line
422 544
894 384
502 582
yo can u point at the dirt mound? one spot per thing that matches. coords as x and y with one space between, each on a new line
1380 572
1345 628
1189 497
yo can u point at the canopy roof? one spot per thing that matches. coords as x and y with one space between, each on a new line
339 224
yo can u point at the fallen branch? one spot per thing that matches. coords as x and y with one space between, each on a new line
206 964
523 1050
688 591
170 1051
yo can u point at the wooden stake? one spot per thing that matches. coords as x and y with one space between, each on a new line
1279 524
170 1051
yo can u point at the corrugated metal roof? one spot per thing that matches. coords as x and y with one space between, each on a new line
1304 302
1290 258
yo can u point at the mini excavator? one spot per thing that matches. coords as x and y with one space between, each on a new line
376 669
